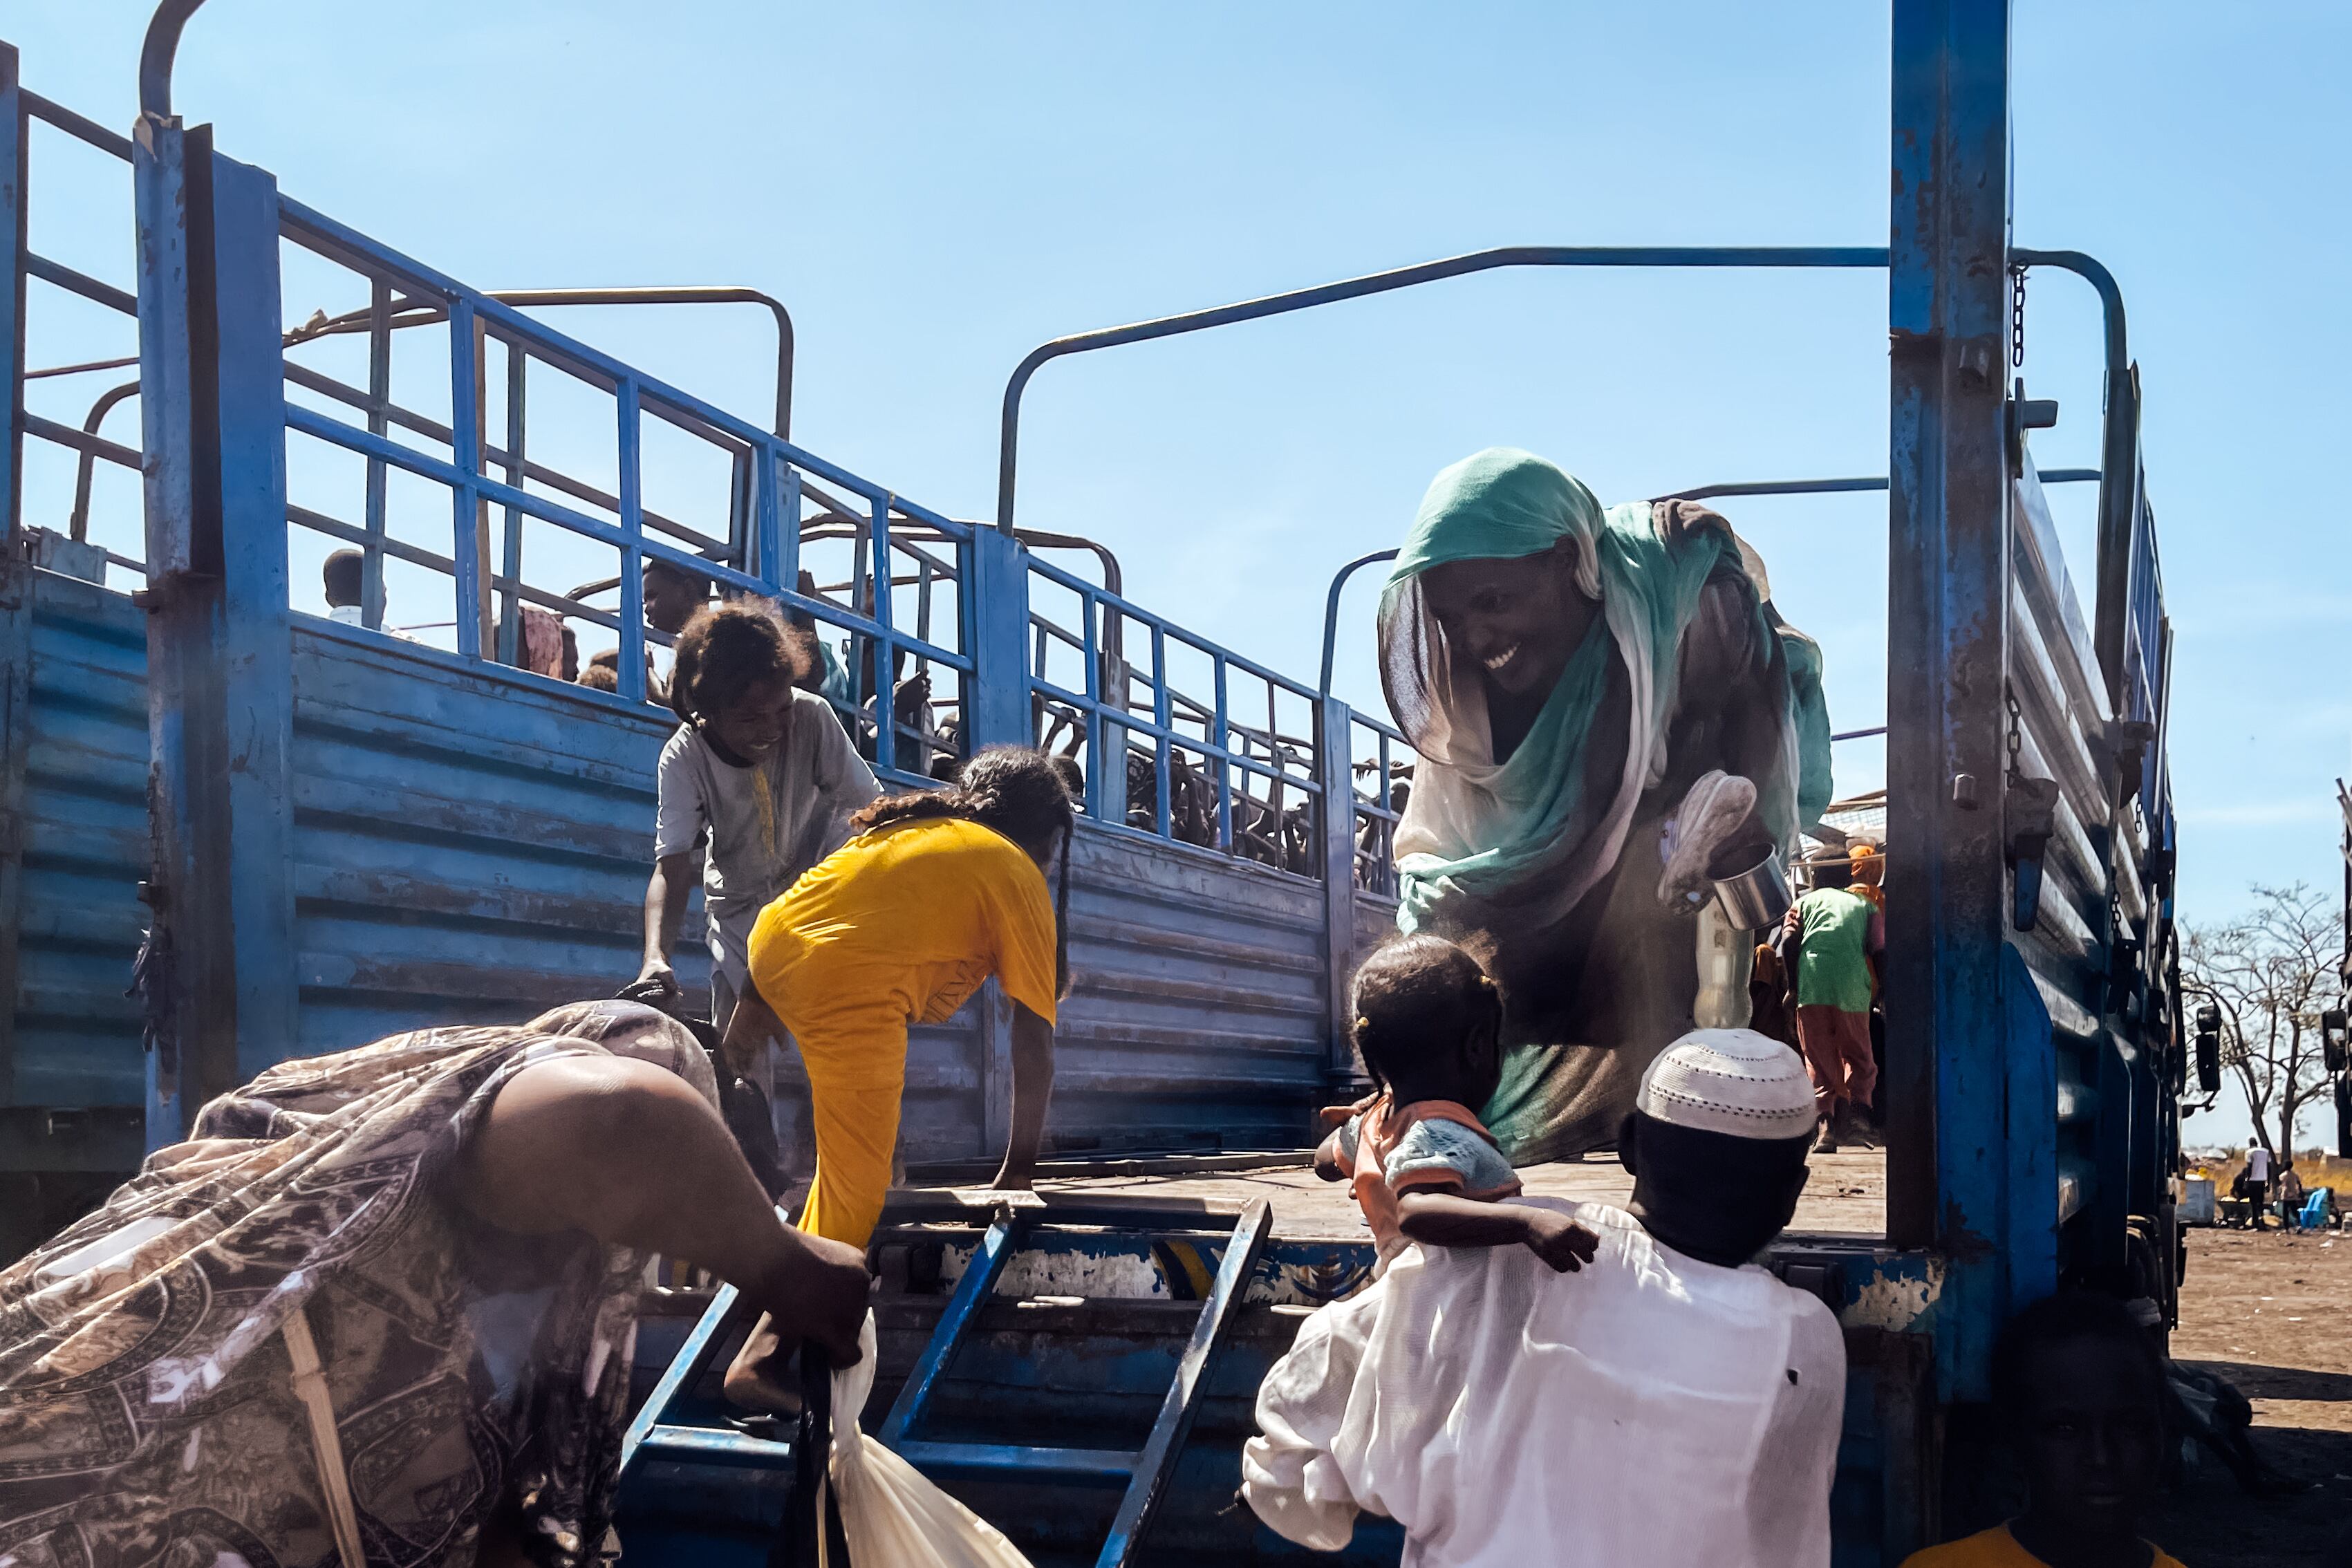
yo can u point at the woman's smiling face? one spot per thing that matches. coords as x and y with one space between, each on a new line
1520 618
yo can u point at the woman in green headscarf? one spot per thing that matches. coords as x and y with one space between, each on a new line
1602 701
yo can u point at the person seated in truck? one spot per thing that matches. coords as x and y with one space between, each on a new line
344 575
1672 1403
2080 1387
344 579
1428 1028
603 674
673 595
939 891
759 780
824 674
390 1289
1605 707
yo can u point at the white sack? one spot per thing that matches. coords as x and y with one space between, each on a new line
1642 1411
890 1515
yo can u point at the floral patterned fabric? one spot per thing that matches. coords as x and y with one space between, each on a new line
147 1408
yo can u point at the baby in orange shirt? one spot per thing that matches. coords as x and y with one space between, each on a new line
1428 1027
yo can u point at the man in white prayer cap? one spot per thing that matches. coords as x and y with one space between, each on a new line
1672 1403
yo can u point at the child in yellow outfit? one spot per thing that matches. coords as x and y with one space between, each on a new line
935 893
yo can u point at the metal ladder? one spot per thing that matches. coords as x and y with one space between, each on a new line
1144 1473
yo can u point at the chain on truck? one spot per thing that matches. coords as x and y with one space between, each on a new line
334 835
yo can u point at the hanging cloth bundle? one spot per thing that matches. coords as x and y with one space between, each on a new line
853 1500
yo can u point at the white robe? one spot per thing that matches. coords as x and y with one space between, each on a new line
1651 1408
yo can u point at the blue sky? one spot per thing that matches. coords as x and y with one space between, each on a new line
935 188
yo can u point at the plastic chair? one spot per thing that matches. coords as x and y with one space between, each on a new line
2318 1205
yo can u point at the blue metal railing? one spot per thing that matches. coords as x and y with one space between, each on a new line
762 556
1106 709
1505 257
19 111
1247 771
1377 812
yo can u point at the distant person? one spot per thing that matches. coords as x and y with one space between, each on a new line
603 674
2080 1387
1867 868
345 582
758 777
544 645
1771 987
346 575
948 761
672 595
1869 871
2257 1178
2289 1189
1837 933
825 675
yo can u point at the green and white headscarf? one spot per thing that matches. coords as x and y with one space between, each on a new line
1529 833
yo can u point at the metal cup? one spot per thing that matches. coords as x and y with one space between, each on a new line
1754 896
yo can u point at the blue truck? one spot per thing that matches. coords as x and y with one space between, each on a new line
232 832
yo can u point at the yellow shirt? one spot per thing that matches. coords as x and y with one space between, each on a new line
901 925
1996 1548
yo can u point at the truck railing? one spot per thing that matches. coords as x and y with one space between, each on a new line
386 314
1379 772
21 111
1320 294
1207 775
759 553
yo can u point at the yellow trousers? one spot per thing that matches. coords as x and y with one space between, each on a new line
854 1086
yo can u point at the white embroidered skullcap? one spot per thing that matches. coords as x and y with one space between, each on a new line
1729 1080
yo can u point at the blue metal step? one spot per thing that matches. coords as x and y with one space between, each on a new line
1142 1474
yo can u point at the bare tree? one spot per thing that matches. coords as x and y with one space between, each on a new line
2270 971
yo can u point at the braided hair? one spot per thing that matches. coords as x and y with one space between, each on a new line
1016 791
723 651
1421 1000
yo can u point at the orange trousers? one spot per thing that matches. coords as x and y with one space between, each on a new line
1837 1052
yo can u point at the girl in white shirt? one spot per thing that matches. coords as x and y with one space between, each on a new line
760 778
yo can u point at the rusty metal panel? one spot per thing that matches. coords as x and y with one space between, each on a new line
471 843
78 847
1199 1016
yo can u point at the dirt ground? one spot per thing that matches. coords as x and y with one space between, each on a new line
1845 1196
2272 1313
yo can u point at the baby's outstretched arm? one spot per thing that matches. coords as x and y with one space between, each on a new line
1441 1219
